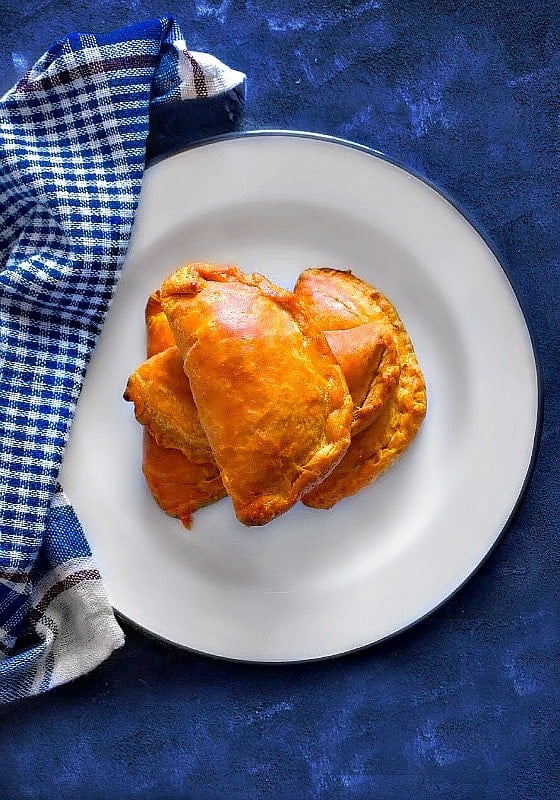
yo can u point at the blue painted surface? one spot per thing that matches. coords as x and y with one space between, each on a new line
466 704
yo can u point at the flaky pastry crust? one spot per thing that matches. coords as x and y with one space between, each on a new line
164 404
270 395
339 299
178 484
158 333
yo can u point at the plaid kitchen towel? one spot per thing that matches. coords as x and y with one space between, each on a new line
73 147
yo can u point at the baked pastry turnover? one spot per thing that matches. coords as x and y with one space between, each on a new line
270 395
338 299
181 480
179 485
158 332
243 392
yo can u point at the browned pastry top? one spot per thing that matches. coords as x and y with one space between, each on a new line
339 299
270 395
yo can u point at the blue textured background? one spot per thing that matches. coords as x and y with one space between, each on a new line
466 704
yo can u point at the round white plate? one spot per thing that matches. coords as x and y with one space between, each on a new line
313 583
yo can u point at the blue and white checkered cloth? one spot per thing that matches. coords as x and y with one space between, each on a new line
73 147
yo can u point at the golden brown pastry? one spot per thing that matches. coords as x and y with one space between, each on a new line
163 401
164 404
366 354
158 333
270 395
341 300
369 361
179 485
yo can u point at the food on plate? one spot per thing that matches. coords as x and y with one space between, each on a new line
158 332
270 395
177 460
242 392
164 404
339 299
179 484
368 357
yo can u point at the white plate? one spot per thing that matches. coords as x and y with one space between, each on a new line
313 583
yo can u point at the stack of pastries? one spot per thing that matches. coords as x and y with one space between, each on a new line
271 396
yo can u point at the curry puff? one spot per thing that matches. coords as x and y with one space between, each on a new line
243 340
338 299
179 483
158 333
270 395
177 461
164 404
